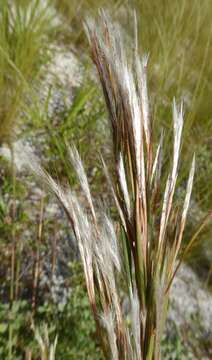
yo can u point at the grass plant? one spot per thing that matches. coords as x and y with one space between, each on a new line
47 350
144 249
125 266
24 49
180 47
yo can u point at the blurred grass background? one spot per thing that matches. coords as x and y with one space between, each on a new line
177 36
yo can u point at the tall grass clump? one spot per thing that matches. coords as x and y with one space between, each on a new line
24 32
179 41
180 45
132 260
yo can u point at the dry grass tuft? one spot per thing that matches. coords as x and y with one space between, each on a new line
144 250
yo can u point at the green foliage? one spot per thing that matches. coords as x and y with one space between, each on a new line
24 48
14 322
81 123
173 347
72 323
6 195
75 326
204 170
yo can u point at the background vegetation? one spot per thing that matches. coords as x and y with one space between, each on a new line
41 279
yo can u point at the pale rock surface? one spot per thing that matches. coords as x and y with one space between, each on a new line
189 299
63 75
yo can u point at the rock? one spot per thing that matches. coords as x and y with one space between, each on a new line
188 298
63 74
19 147
191 312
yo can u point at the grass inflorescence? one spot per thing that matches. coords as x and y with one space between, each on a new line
143 249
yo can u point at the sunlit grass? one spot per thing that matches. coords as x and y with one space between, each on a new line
145 248
24 49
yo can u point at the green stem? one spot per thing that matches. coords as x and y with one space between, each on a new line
13 253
